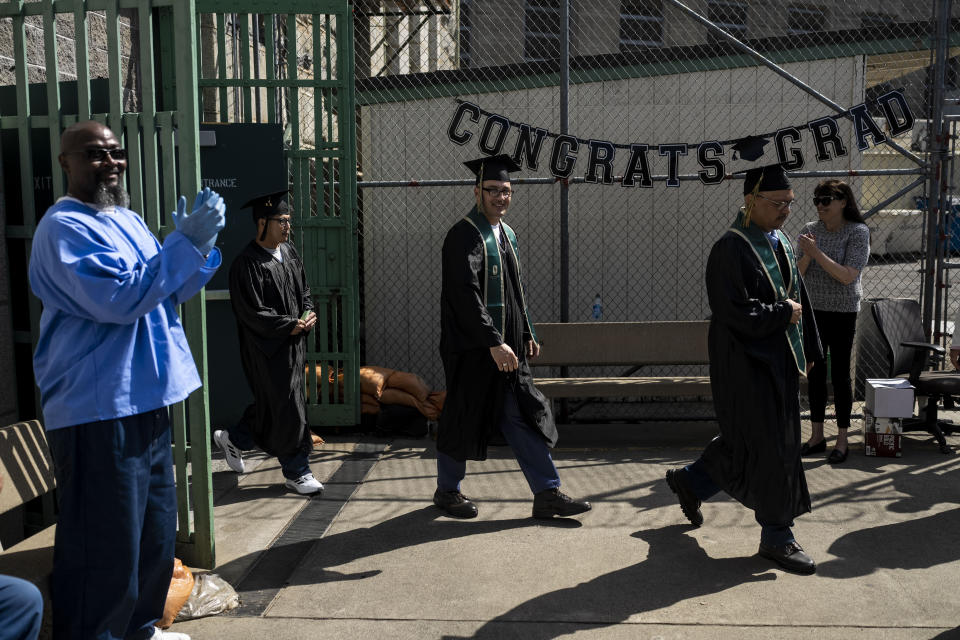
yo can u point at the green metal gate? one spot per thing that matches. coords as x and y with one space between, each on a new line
291 62
145 90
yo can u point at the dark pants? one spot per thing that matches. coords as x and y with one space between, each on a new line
836 335
772 533
21 609
113 555
528 446
293 466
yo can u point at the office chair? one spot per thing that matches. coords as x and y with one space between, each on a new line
908 355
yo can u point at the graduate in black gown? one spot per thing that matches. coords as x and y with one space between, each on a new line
762 337
486 337
274 311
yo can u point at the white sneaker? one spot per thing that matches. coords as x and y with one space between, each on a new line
305 485
233 455
160 634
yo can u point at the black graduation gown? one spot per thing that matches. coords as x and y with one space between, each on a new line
755 380
268 298
475 387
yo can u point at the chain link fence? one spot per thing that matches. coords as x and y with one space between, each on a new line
440 82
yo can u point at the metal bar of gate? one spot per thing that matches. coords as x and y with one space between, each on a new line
937 190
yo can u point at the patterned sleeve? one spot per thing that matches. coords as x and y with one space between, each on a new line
858 247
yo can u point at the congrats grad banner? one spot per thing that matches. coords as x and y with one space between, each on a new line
601 156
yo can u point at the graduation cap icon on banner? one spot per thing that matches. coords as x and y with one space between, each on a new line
749 148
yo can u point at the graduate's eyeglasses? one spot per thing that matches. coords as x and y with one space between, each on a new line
494 192
283 222
99 154
780 204
823 201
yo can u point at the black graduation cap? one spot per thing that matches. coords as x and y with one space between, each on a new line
493 167
268 205
750 148
772 177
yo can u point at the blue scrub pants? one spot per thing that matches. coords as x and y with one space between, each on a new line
705 488
292 466
113 554
21 609
528 446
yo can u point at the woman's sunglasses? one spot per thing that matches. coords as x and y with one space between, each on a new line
824 200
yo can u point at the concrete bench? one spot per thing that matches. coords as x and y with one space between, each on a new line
27 469
630 344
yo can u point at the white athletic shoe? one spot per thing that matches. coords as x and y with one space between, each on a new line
160 634
230 452
305 485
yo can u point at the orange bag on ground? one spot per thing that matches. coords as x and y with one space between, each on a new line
373 380
368 404
436 399
398 396
181 585
409 382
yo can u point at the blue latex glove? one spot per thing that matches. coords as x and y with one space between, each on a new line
204 223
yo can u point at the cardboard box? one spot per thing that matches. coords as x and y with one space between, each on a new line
873 424
889 398
882 445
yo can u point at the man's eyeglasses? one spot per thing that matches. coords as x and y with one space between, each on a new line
823 201
780 204
99 154
493 192
283 222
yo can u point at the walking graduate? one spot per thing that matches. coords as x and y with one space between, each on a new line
486 337
762 337
274 310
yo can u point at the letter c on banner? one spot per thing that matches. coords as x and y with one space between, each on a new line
462 137
564 148
796 156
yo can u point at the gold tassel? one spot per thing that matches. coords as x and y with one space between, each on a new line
749 208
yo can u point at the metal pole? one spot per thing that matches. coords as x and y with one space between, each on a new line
938 151
564 187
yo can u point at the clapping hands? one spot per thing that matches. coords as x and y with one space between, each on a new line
206 220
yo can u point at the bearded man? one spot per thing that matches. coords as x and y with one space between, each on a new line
110 359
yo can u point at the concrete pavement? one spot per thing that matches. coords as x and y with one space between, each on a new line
374 559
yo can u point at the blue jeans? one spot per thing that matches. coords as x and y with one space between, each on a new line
528 446
292 466
705 488
113 551
21 609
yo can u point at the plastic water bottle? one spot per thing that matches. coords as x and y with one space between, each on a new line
597 308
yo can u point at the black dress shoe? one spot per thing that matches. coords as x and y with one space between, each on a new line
789 556
455 504
838 457
554 502
689 502
807 450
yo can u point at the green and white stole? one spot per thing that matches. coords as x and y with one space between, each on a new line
493 293
763 250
